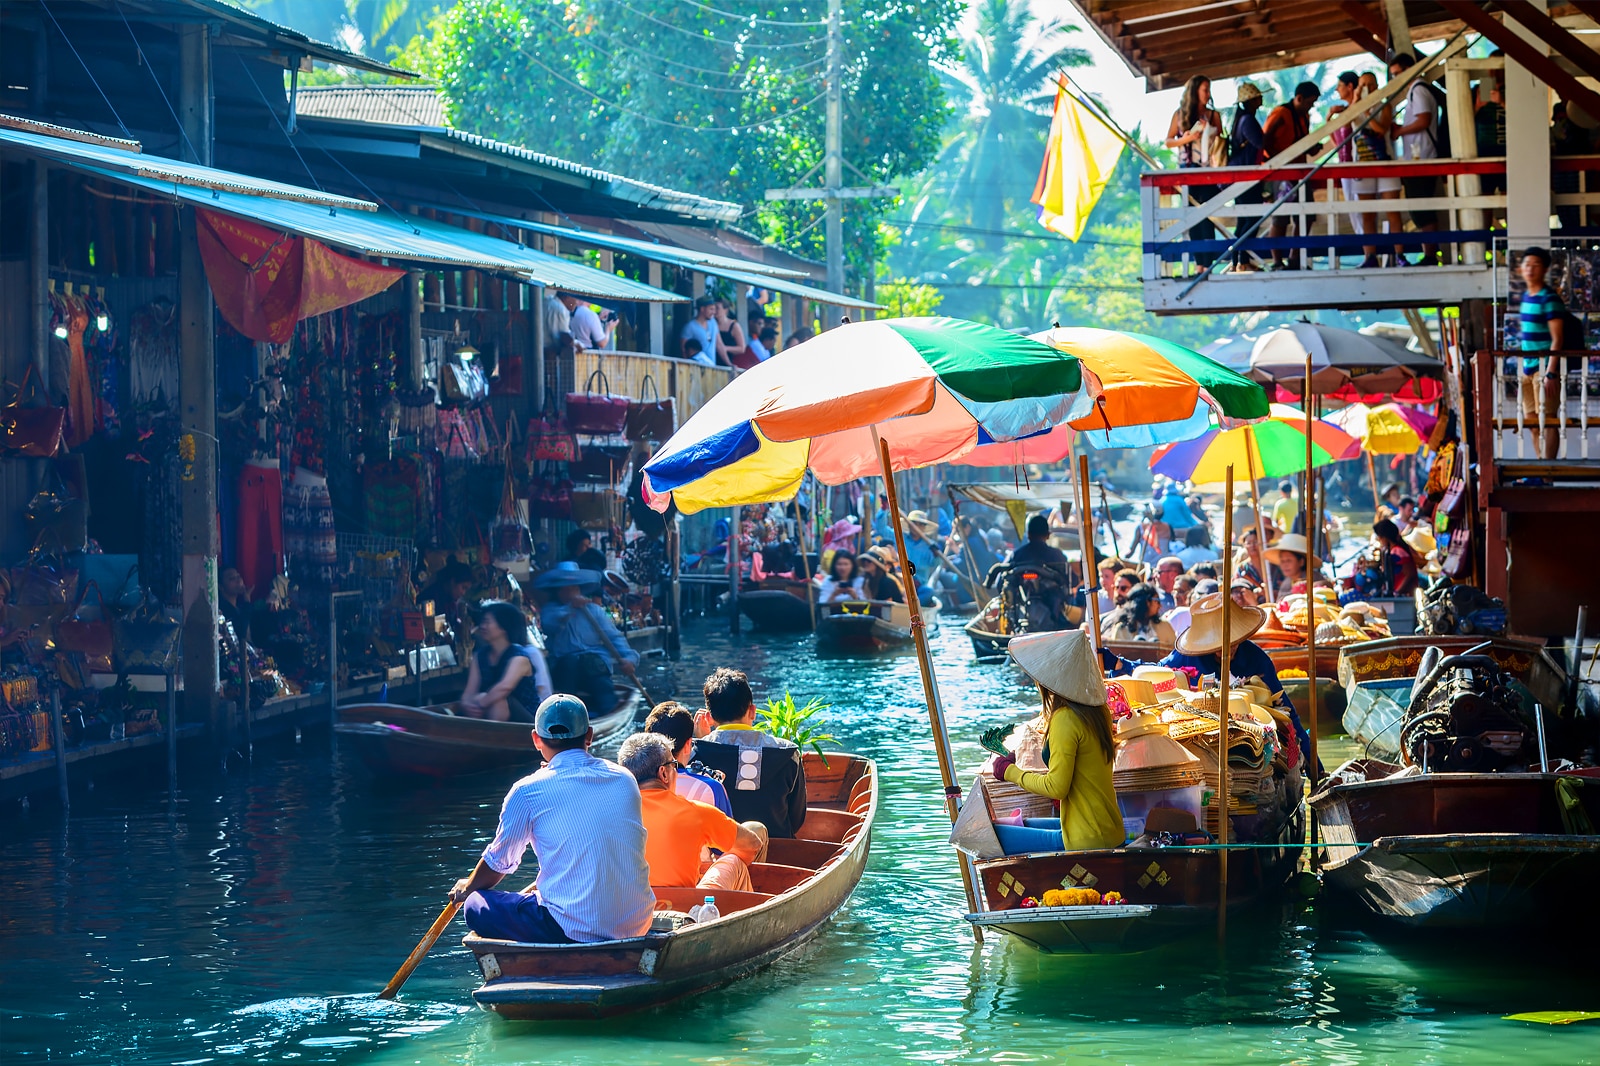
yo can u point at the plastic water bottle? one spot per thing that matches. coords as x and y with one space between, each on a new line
708 910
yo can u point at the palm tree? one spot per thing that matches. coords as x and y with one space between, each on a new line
1002 89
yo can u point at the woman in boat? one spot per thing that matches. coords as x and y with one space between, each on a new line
1292 556
1139 618
1247 561
1079 750
843 582
1199 647
508 678
877 583
1399 559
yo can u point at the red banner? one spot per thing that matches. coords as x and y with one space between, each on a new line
265 281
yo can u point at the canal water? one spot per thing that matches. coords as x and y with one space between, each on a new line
253 919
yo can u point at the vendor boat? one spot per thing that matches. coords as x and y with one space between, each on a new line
437 742
869 625
785 608
805 882
1463 850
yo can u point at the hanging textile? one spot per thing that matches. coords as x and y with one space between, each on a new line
266 281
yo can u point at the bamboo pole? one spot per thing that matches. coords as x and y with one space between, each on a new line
805 561
1309 500
1255 501
930 685
1224 677
1091 595
1372 477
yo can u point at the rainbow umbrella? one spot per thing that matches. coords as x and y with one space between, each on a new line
1153 391
934 388
1387 429
1274 448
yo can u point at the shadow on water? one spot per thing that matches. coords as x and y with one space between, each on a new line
254 919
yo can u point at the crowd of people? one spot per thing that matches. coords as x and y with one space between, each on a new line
1412 127
671 819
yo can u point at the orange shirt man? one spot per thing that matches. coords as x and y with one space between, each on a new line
676 829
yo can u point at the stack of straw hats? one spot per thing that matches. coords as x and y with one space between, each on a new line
1148 760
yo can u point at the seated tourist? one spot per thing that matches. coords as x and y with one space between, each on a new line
1139 618
676 829
1079 747
508 677
767 775
695 782
582 817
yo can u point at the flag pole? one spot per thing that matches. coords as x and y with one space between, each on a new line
1308 499
930 685
1081 95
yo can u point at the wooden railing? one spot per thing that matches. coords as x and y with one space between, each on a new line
626 374
1521 414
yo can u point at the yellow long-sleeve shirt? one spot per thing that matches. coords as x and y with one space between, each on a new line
1079 777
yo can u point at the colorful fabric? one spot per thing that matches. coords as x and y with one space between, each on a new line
1079 158
675 829
1274 448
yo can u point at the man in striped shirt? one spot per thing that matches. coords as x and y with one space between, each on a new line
1540 330
583 818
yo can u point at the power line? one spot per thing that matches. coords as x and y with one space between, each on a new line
1016 233
710 38
750 19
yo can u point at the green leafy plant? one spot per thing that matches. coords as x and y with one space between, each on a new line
782 719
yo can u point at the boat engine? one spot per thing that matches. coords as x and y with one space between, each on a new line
1466 715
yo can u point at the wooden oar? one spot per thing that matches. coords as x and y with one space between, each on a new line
420 952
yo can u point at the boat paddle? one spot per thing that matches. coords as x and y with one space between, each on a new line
420 952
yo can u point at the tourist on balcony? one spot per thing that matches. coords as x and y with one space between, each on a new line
1567 138
1365 141
590 332
1420 138
1489 122
1245 144
703 328
1381 126
1286 125
1196 133
732 334
1541 329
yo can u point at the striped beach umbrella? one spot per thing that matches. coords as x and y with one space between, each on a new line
934 388
1273 448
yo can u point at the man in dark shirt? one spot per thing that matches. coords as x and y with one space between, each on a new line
1285 125
1038 551
233 602
764 775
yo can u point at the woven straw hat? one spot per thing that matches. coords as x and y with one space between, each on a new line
1167 683
1204 635
1062 662
921 519
1296 544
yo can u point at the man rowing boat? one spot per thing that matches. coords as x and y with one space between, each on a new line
583 819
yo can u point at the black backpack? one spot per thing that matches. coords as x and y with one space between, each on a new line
1439 128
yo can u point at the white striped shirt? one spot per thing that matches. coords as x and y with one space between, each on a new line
582 817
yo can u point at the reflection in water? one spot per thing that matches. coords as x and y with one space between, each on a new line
254 919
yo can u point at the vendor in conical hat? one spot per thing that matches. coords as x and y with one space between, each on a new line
1079 749
1200 646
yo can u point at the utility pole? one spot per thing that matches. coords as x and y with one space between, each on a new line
833 190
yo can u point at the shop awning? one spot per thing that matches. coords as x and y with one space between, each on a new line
82 153
740 270
407 237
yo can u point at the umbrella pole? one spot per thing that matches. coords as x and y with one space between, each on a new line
1310 501
805 561
1224 676
930 686
1261 523
1091 587
1372 476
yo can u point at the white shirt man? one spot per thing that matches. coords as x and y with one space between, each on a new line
588 332
1423 143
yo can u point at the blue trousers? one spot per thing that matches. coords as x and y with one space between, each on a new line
512 916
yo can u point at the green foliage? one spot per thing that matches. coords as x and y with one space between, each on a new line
782 719
379 28
906 299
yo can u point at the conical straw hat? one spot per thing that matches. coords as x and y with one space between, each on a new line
1062 662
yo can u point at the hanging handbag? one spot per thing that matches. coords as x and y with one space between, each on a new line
597 412
32 431
549 439
116 577
591 507
601 463
145 639
1451 504
454 439
550 496
654 419
88 638
43 579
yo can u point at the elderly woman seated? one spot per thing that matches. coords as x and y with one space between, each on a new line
676 829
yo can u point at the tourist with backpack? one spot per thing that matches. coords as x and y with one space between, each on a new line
1422 136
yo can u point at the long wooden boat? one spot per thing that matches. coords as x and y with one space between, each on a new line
436 742
869 625
1463 850
779 610
1394 657
1295 657
987 642
803 883
1168 893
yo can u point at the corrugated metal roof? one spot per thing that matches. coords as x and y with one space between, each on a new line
389 105
407 237
170 171
660 253
236 19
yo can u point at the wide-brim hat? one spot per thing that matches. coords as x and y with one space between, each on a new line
1167 684
566 574
1247 91
844 527
1204 635
1294 543
1063 662
882 556
1421 540
921 518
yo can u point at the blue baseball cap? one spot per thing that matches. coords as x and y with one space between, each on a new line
561 717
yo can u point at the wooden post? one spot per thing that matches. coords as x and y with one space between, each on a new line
1310 503
1255 501
413 283
732 557
1372 476
675 590
1224 679
1091 584
930 685
805 561
658 336
58 740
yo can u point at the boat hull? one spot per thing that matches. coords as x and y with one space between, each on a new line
776 610
886 626
1453 851
813 878
1395 657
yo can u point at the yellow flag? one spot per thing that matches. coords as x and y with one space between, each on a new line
1078 160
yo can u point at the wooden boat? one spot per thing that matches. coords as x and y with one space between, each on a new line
1169 893
986 644
1373 713
1294 657
779 610
1526 660
436 742
1463 850
869 625
804 883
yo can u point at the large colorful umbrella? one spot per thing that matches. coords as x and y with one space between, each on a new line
936 388
1153 391
1387 429
1274 448
1339 358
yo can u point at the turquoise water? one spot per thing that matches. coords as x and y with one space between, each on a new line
253 920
